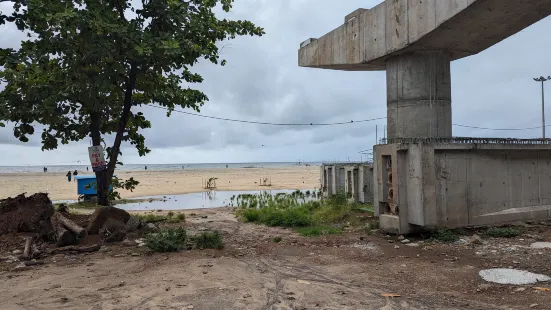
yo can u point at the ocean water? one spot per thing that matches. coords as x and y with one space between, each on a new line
156 167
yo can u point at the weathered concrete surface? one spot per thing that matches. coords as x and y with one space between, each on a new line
353 179
368 38
512 276
456 185
419 95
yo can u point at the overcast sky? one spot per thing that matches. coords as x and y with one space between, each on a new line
262 82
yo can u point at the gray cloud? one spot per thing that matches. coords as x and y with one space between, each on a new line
262 82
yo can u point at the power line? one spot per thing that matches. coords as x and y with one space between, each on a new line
268 123
329 124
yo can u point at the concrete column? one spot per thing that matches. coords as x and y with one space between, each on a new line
419 95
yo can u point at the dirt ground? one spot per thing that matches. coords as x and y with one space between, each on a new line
349 271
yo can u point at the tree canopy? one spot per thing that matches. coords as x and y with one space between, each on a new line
86 63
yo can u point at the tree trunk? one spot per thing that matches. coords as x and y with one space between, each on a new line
80 232
102 179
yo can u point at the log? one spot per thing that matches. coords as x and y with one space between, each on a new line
28 247
73 248
63 236
80 232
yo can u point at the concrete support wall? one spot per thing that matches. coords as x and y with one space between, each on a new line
354 180
419 95
458 185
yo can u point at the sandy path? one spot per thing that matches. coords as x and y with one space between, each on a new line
253 272
166 182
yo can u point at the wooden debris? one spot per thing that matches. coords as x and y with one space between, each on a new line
72 248
28 248
80 232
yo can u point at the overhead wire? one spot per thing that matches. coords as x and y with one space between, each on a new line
328 124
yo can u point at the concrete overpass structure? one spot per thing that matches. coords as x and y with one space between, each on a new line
424 177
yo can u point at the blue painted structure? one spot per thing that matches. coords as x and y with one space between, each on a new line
83 190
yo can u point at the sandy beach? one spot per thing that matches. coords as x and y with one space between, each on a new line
166 182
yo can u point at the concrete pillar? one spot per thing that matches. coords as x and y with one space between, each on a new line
419 95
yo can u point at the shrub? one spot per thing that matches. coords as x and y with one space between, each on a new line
277 239
166 240
170 214
181 217
208 240
503 232
446 235
314 231
251 215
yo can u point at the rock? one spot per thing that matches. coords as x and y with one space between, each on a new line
135 254
101 215
128 242
151 227
247 295
114 230
520 289
406 241
190 307
475 239
21 267
413 244
396 246
17 252
132 224
401 237
483 287
512 276
541 245
534 305
26 214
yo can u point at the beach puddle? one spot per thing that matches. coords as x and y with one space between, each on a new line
212 199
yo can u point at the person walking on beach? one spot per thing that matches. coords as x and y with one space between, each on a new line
75 173
145 167
68 175
45 169
86 168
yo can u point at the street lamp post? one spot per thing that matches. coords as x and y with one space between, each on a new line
542 80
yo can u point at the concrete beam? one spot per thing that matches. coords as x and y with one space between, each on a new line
369 37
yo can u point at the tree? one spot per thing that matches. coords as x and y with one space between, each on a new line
87 63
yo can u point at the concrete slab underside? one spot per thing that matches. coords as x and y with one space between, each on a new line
458 185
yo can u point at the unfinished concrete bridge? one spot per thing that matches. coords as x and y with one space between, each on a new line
433 180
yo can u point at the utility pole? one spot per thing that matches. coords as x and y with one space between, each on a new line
542 80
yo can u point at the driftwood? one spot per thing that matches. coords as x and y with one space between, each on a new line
63 236
80 232
72 248
28 248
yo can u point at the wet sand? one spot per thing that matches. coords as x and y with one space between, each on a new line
166 182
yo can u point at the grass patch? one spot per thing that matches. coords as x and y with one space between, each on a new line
311 217
503 232
208 240
166 240
170 214
446 235
151 218
315 231
277 239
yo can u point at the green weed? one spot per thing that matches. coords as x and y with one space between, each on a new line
446 235
208 240
166 240
277 239
503 232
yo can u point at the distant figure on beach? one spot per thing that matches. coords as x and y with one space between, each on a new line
145 167
45 169
226 166
86 168
68 175
75 173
